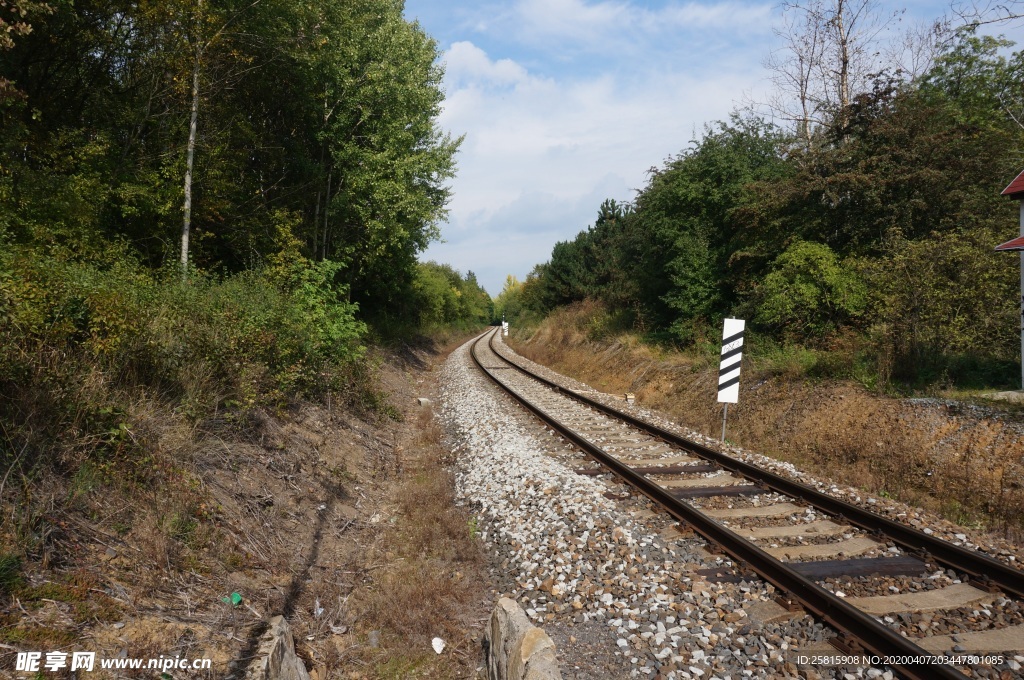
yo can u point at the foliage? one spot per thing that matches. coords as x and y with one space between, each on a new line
323 111
14 21
519 301
445 298
81 338
319 175
944 303
809 292
880 224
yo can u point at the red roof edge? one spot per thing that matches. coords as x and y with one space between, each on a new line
1015 244
1015 188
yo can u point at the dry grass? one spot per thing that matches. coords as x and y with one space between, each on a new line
433 575
966 467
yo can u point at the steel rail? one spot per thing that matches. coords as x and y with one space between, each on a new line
875 637
987 570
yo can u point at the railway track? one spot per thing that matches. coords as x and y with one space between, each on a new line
680 475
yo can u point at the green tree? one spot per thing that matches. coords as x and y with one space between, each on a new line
15 16
322 111
809 293
687 243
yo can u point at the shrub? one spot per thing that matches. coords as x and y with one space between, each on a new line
79 339
809 292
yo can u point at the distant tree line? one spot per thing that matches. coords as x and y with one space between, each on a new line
872 221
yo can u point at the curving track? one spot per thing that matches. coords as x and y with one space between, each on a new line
671 470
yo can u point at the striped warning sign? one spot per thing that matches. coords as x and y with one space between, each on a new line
729 367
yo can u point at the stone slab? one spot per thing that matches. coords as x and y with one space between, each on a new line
777 510
672 532
820 528
649 451
769 611
699 468
853 546
693 483
672 460
652 470
950 597
1009 639
712 491
625 441
277 658
1015 396
515 649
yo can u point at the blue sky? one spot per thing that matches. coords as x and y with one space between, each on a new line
567 102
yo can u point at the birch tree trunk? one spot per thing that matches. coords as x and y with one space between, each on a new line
190 152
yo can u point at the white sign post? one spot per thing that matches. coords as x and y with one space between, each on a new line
729 366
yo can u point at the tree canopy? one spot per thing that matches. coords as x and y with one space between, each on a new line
882 223
315 128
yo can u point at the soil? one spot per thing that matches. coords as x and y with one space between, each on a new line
291 511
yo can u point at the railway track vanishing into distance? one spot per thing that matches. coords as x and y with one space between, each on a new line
673 472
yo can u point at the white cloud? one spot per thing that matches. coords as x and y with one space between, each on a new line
467 63
541 134
520 233
567 102
541 153
564 103
718 15
571 18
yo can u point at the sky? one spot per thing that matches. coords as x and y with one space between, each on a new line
564 103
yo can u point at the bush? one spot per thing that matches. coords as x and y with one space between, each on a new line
809 292
946 308
81 340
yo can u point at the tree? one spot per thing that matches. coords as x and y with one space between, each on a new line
829 54
210 132
982 12
809 292
796 68
14 21
914 52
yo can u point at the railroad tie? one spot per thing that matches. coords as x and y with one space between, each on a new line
994 640
852 546
694 483
776 510
951 597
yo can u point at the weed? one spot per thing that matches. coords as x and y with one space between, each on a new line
181 526
963 516
234 561
430 551
399 666
84 481
39 637
10 574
